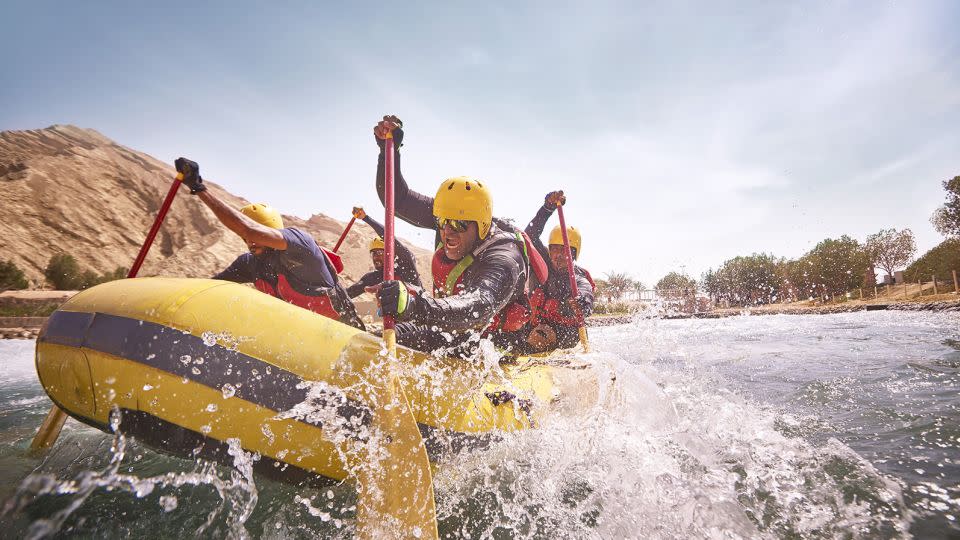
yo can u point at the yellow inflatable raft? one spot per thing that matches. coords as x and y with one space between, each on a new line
189 364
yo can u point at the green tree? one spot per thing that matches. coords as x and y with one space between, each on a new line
940 261
710 284
675 285
746 281
11 277
63 272
946 219
891 248
834 266
638 288
602 289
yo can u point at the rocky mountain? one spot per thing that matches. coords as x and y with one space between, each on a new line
70 190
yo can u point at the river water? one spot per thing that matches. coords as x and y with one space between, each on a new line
819 426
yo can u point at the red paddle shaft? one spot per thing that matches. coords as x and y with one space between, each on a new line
388 321
156 227
574 292
344 234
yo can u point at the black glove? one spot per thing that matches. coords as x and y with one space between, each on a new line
395 300
397 133
191 175
397 139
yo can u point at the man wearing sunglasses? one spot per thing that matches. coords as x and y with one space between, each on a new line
553 316
479 270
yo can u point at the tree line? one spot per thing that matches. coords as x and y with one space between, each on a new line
834 267
62 272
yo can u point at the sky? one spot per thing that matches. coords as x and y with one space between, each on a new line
683 133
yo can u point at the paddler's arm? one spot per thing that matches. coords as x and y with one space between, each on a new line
367 280
246 228
410 206
239 271
584 291
497 271
535 227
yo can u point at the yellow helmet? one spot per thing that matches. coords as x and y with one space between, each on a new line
376 243
556 238
467 199
263 214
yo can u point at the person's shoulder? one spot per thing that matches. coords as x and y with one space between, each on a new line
298 239
502 249
245 258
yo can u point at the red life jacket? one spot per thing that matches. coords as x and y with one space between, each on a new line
334 259
544 307
284 291
318 304
448 281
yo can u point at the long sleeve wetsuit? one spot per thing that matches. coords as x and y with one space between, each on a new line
557 285
405 266
496 278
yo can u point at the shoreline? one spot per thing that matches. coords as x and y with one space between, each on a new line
941 306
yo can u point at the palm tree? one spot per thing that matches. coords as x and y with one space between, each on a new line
619 284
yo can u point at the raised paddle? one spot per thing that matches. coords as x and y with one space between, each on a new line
574 292
53 423
396 493
344 234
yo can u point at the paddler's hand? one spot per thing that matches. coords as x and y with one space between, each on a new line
542 337
554 199
394 299
389 124
191 175
358 212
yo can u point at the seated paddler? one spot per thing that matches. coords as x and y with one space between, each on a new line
284 262
404 265
480 268
554 321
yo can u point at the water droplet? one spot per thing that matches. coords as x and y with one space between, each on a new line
195 371
205 429
168 503
211 407
185 359
228 391
147 387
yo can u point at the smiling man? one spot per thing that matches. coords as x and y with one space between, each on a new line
283 261
480 268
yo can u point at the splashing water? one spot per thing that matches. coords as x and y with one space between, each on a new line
780 427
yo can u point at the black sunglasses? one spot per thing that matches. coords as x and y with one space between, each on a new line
458 225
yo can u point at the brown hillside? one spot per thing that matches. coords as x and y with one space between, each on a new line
67 189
